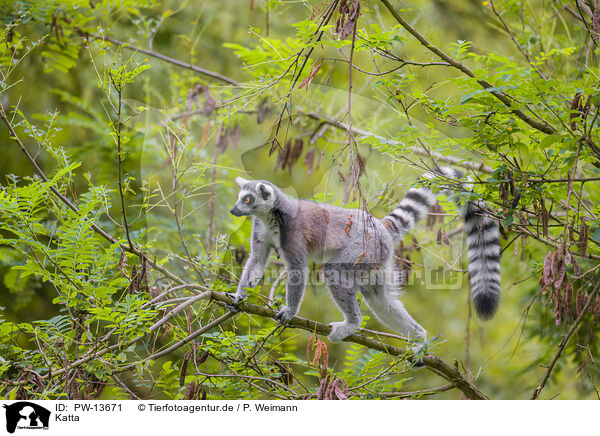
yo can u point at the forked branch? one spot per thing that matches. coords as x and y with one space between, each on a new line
544 126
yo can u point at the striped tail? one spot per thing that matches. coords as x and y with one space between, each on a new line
483 241
411 209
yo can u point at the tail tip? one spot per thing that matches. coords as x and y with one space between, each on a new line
486 305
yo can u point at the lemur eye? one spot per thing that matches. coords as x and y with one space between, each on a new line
247 199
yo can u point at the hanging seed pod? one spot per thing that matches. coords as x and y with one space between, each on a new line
583 237
545 219
574 109
569 296
542 284
562 272
323 388
329 392
503 193
349 12
203 357
583 302
596 24
341 390
568 257
571 235
184 365
556 262
576 268
194 390
314 70
309 160
547 274
309 347
557 306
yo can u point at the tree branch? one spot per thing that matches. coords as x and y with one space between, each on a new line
420 393
418 150
514 39
118 127
431 362
503 97
565 341
165 58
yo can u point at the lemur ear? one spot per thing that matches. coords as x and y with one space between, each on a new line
241 181
265 191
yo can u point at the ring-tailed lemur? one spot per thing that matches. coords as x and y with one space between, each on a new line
356 252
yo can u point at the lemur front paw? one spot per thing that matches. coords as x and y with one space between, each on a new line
232 308
284 316
418 351
237 298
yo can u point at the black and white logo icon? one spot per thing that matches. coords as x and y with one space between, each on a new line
26 415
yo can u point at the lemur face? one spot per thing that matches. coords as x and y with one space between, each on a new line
255 196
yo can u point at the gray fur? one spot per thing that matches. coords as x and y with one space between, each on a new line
351 245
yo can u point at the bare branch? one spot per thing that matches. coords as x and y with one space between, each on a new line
418 150
118 126
431 362
168 59
514 39
420 393
565 341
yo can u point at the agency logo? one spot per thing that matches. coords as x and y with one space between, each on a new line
26 415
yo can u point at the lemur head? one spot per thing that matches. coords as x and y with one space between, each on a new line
256 196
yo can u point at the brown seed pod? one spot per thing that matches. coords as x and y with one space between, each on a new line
323 388
309 347
576 268
314 70
184 364
309 160
329 392
341 390
203 357
547 274
348 227
562 272
583 237
574 109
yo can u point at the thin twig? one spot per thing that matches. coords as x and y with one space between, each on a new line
168 59
417 150
118 127
544 127
565 341
420 393
181 343
514 39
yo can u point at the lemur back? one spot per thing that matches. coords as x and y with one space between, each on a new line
356 252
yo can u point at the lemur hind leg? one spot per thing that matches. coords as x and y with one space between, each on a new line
343 292
382 301
345 299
